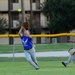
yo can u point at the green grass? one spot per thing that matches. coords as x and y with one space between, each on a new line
22 59
39 47
48 66
53 47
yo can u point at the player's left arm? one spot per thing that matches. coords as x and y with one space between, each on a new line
20 32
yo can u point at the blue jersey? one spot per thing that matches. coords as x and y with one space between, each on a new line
26 42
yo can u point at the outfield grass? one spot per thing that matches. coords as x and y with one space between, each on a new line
39 47
47 67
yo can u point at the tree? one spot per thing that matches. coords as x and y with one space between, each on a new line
3 25
61 15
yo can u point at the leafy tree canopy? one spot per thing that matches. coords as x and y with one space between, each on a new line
61 15
3 25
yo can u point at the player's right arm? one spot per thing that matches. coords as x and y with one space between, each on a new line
20 31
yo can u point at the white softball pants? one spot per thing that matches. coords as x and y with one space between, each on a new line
31 57
70 58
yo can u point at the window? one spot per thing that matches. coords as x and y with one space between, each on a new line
15 16
37 4
15 1
33 1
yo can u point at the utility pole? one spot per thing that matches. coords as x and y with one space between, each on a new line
23 11
31 15
10 20
9 13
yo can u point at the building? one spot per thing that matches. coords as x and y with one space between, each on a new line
39 21
35 17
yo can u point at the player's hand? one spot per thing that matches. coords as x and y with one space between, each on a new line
23 28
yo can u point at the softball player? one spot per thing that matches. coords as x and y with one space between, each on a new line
29 49
70 58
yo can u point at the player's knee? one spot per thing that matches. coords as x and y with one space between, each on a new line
29 60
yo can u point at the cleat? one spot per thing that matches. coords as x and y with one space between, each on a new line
37 68
64 64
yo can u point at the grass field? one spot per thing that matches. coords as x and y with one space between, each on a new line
48 66
39 47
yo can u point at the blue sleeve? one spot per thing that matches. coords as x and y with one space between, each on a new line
30 38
